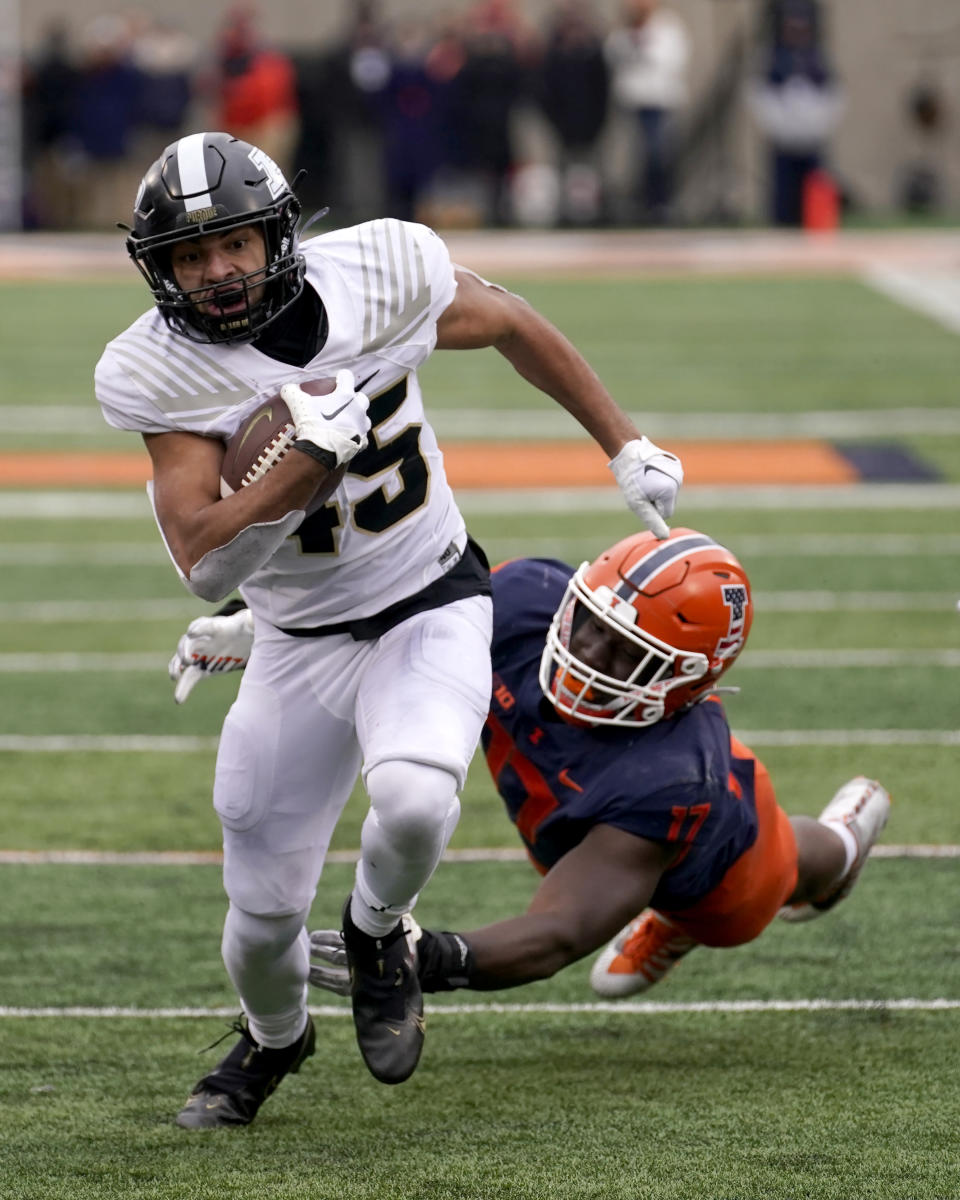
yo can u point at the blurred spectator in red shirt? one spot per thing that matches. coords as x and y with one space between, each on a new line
256 89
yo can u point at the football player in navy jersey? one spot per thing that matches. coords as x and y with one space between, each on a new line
612 752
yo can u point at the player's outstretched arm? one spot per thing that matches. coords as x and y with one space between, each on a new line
582 902
483 314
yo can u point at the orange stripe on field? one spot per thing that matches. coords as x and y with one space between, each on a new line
497 465
583 464
73 469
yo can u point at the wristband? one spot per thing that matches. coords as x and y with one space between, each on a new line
326 458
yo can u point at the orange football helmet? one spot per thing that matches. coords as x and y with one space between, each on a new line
683 605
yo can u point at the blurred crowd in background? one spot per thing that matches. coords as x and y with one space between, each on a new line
422 119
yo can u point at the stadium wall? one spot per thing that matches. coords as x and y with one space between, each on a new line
881 48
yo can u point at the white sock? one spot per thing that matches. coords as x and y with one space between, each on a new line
850 847
267 959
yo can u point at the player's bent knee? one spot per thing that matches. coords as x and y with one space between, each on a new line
414 803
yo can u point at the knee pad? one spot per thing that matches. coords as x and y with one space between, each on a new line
414 805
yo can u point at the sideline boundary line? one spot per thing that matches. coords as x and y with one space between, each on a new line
631 1008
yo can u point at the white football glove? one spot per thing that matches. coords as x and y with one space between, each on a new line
337 422
211 646
328 958
328 962
649 479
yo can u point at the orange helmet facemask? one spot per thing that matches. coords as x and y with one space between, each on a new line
683 605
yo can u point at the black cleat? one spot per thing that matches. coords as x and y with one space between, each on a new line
387 1001
234 1090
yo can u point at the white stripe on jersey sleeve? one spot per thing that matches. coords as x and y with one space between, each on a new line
398 288
182 372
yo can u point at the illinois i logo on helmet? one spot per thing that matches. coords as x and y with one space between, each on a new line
735 597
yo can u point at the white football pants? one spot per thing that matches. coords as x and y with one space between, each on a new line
408 707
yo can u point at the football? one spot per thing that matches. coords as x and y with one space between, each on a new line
262 441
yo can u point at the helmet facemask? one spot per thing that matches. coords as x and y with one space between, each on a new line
244 188
583 693
671 617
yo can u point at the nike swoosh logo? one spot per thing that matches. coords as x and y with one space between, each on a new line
564 777
418 1021
337 411
265 414
359 387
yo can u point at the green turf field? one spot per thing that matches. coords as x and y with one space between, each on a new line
815 1062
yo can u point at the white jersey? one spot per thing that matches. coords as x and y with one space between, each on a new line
387 531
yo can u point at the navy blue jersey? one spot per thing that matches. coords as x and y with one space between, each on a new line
680 781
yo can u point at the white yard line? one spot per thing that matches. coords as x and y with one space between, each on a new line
136 743
75 506
849 737
133 743
868 497
204 858
83 554
548 423
754 545
934 293
832 660
83 662
69 663
55 612
763 545
470 424
133 505
827 601
623 1007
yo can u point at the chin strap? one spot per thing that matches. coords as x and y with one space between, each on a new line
718 691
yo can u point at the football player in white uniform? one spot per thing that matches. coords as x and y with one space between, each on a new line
371 614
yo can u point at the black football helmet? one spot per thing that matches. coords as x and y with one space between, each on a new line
211 183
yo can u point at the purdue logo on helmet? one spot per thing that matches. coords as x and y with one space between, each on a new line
683 607
211 183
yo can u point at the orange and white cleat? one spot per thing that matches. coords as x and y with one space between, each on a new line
639 956
863 806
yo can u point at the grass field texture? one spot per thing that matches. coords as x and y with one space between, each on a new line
820 1061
